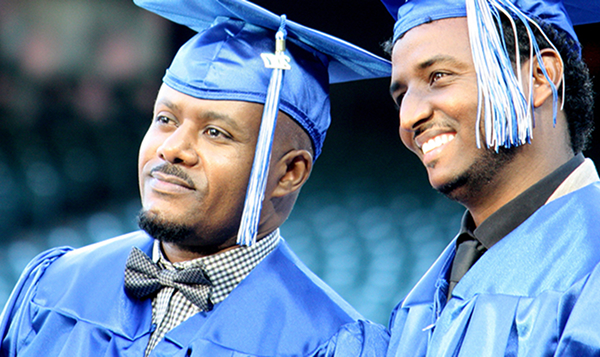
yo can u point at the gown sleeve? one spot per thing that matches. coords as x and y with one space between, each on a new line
15 321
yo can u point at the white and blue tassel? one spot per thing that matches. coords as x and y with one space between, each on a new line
506 110
260 167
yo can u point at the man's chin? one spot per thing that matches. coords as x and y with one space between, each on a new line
453 189
469 184
164 230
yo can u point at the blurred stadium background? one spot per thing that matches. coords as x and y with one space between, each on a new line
77 84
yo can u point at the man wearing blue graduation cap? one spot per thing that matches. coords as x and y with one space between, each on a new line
495 100
237 123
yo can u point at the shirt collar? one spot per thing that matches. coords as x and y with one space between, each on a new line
515 212
227 269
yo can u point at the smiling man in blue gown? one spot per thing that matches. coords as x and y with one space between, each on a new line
496 101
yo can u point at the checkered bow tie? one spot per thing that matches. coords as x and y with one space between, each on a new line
143 277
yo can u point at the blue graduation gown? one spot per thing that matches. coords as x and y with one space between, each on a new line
534 293
73 303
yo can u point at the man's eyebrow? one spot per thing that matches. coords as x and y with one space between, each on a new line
167 103
213 115
210 114
426 64
439 59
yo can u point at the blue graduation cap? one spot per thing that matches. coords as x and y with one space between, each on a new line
507 111
243 52
563 14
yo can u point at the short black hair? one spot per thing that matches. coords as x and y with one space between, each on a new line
579 94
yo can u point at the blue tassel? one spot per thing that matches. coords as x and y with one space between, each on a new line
260 167
506 110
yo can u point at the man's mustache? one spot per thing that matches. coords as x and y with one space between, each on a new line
173 170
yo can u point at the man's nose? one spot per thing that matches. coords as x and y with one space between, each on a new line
415 109
180 147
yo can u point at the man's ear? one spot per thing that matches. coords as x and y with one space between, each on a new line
554 69
294 169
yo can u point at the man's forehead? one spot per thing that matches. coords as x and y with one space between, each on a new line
225 110
438 41
168 97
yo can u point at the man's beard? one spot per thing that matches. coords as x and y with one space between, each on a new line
164 231
185 236
471 183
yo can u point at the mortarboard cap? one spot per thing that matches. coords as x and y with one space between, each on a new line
563 14
507 111
228 60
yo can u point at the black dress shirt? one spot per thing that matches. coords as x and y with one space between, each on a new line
473 242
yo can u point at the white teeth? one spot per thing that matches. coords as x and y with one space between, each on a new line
436 142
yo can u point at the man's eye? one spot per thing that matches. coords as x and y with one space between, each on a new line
436 76
161 119
215 133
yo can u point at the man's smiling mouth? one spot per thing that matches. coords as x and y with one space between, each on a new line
436 142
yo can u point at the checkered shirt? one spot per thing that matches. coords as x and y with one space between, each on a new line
224 270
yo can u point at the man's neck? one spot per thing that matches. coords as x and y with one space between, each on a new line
517 177
179 253
176 253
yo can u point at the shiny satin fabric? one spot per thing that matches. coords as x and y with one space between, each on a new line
73 303
535 293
